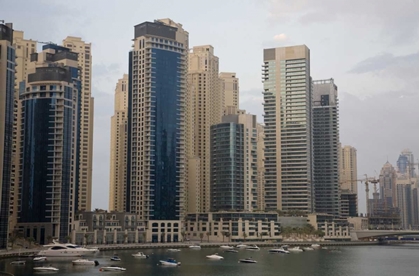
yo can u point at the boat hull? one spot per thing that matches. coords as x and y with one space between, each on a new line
164 263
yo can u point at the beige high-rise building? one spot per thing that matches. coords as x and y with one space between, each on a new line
118 156
84 189
260 167
230 89
206 110
348 164
23 50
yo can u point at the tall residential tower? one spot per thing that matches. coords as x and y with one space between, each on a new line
288 126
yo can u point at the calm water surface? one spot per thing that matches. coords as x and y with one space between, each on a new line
361 260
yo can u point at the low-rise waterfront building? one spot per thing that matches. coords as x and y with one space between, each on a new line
334 228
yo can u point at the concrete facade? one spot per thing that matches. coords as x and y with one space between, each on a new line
260 168
118 155
349 169
288 126
230 89
334 228
84 171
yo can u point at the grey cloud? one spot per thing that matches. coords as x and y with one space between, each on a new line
383 61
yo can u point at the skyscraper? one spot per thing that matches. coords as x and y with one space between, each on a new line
7 82
287 119
118 156
405 163
326 147
387 185
349 169
207 110
234 163
156 114
260 168
83 199
50 113
230 89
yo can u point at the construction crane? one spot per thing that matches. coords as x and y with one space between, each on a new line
367 180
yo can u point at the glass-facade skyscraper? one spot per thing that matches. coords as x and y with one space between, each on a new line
49 145
7 82
156 128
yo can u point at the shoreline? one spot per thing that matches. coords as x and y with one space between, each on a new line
28 252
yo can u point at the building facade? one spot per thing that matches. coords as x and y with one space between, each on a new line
326 171
230 89
50 114
83 192
260 168
288 124
405 163
207 110
156 112
118 155
387 185
349 169
7 83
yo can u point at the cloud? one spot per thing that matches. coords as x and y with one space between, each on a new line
280 37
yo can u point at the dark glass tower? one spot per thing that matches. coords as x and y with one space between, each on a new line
157 90
50 115
7 82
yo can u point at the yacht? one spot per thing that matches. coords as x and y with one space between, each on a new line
140 255
215 256
39 259
112 268
85 262
170 262
247 261
315 246
295 249
252 247
45 268
174 250
115 258
278 250
226 247
308 248
18 262
56 249
195 246
241 246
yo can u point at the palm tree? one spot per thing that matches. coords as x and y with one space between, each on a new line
86 238
144 236
49 239
30 241
201 237
228 236
183 235
67 238
244 235
208 236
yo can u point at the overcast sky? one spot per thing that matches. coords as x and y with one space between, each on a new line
370 48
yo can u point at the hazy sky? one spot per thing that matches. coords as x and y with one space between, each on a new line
370 48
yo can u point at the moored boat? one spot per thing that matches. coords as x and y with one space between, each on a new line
85 262
57 249
308 248
140 255
241 246
295 249
232 251
247 261
170 262
315 246
115 258
112 268
226 247
39 259
252 247
174 250
278 250
45 268
19 262
215 256
195 246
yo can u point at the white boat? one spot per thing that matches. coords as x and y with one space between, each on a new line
278 250
56 249
115 258
140 255
215 256
195 246
174 250
112 268
40 259
45 268
85 262
295 249
226 247
247 261
241 246
170 262
308 249
18 263
232 251
316 246
252 247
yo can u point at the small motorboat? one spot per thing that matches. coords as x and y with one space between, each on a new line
140 255
241 246
325 248
252 247
45 268
85 262
295 249
231 251
170 262
308 248
226 247
112 268
247 261
39 259
115 258
278 250
315 246
18 262
215 256
174 250
195 246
